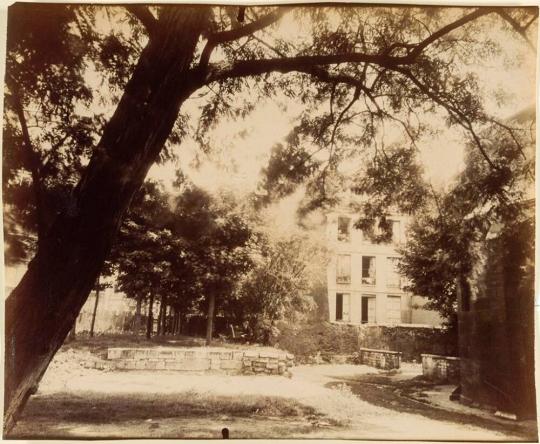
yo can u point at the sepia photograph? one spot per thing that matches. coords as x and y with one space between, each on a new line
269 221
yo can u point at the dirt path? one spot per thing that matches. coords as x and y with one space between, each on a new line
417 397
330 401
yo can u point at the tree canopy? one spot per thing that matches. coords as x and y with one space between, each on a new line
481 202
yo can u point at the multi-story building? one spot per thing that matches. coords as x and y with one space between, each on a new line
364 285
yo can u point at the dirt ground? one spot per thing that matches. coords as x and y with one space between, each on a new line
321 401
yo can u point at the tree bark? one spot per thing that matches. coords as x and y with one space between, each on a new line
150 317
94 312
137 320
160 318
167 320
210 318
72 333
43 307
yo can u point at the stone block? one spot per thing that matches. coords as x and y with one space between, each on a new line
151 365
215 364
166 353
231 365
128 353
268 354
238 355
195 365
131 364
114 353
226 355
251 354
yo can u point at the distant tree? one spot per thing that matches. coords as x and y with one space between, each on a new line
218 239
278 287
146 251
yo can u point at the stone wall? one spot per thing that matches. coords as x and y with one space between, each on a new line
412 341
496 324
326 339
441 368
222 360
383 359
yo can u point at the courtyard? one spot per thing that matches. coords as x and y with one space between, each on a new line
338 401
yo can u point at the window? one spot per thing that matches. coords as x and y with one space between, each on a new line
343 272
368 270
368 309
344 233
393 309
393 278
396 231
342 306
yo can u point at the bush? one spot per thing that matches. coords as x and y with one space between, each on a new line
306 341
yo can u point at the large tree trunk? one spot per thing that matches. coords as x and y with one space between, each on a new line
210 318
43 307
150 317
137 320
94 312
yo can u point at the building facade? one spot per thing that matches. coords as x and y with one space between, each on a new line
364 285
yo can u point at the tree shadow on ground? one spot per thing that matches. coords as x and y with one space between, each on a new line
382 391
58 415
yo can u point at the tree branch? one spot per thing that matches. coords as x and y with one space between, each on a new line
306 63
32 158
517 27
237 33
449 28
460 117
143 14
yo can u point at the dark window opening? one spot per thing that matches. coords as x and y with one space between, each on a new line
344 233
339 307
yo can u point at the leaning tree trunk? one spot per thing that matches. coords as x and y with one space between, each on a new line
43 307
94 312
210 318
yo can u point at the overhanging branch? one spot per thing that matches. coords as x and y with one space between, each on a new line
237 33
143 14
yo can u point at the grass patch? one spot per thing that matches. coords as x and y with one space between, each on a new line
98 408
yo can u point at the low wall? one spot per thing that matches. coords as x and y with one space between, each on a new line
441 368
306 341
383 359
411 340
200 360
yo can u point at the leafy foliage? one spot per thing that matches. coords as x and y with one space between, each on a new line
181 249
278 286
484 202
